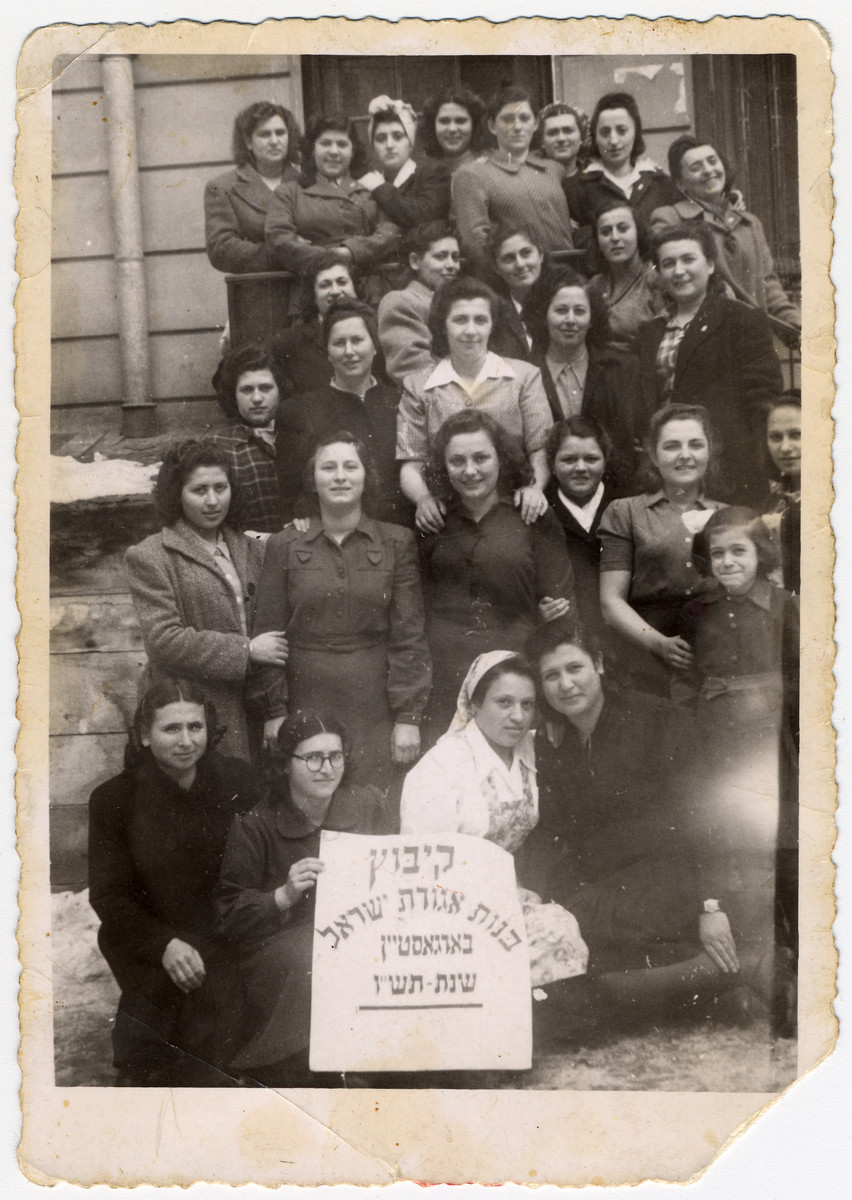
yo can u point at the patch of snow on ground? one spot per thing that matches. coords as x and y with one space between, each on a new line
72 480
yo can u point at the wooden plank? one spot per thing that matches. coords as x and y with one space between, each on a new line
80 71
83 298
79 132
93 622
79 764
87 371
165 68
69 836
184 292
184 124
172 212
82 216
94 693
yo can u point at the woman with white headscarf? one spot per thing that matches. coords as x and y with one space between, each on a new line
407 192
480 779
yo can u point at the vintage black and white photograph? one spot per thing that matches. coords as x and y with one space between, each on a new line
426 442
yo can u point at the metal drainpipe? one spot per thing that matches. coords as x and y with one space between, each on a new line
137 409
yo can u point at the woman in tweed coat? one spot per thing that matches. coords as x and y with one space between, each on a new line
193 587
265 144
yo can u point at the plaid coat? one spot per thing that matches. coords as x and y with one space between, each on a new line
251 462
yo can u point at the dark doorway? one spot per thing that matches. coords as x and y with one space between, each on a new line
347 83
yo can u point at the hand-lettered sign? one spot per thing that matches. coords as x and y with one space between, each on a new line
420 959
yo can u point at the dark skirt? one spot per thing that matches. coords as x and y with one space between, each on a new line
454 646
275 1019
353 687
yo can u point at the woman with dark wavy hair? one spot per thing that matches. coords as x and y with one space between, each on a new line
265 898
619 168
488 576
326 207
265 149
451 126
347 590
156 836
193 588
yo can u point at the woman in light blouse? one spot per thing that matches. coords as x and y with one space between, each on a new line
468 375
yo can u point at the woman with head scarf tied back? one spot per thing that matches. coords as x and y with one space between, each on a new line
480 779
407 192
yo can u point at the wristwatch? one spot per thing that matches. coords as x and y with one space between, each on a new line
711 906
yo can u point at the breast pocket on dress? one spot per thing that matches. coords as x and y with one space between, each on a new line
372 588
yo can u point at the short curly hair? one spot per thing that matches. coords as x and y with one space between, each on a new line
564 631
316 127
335 257
464 98
515 470
464 287
682 145
692 231
251 356
179 461
560 109
247 122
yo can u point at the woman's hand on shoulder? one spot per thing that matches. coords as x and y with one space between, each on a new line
270 731
405 743
183 965
429 517
532 503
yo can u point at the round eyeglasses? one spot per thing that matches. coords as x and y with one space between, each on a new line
315 759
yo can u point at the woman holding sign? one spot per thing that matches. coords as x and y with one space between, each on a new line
480 779
264 900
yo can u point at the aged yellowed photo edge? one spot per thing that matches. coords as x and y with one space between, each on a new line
130 1137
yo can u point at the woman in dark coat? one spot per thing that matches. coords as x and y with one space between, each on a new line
326 207
355 396
618 169
265 898
156 836
193 588
712 352
579 451
265 144
580 373
488 576
612 843
407 192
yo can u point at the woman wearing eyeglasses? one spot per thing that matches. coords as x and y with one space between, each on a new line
265 897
